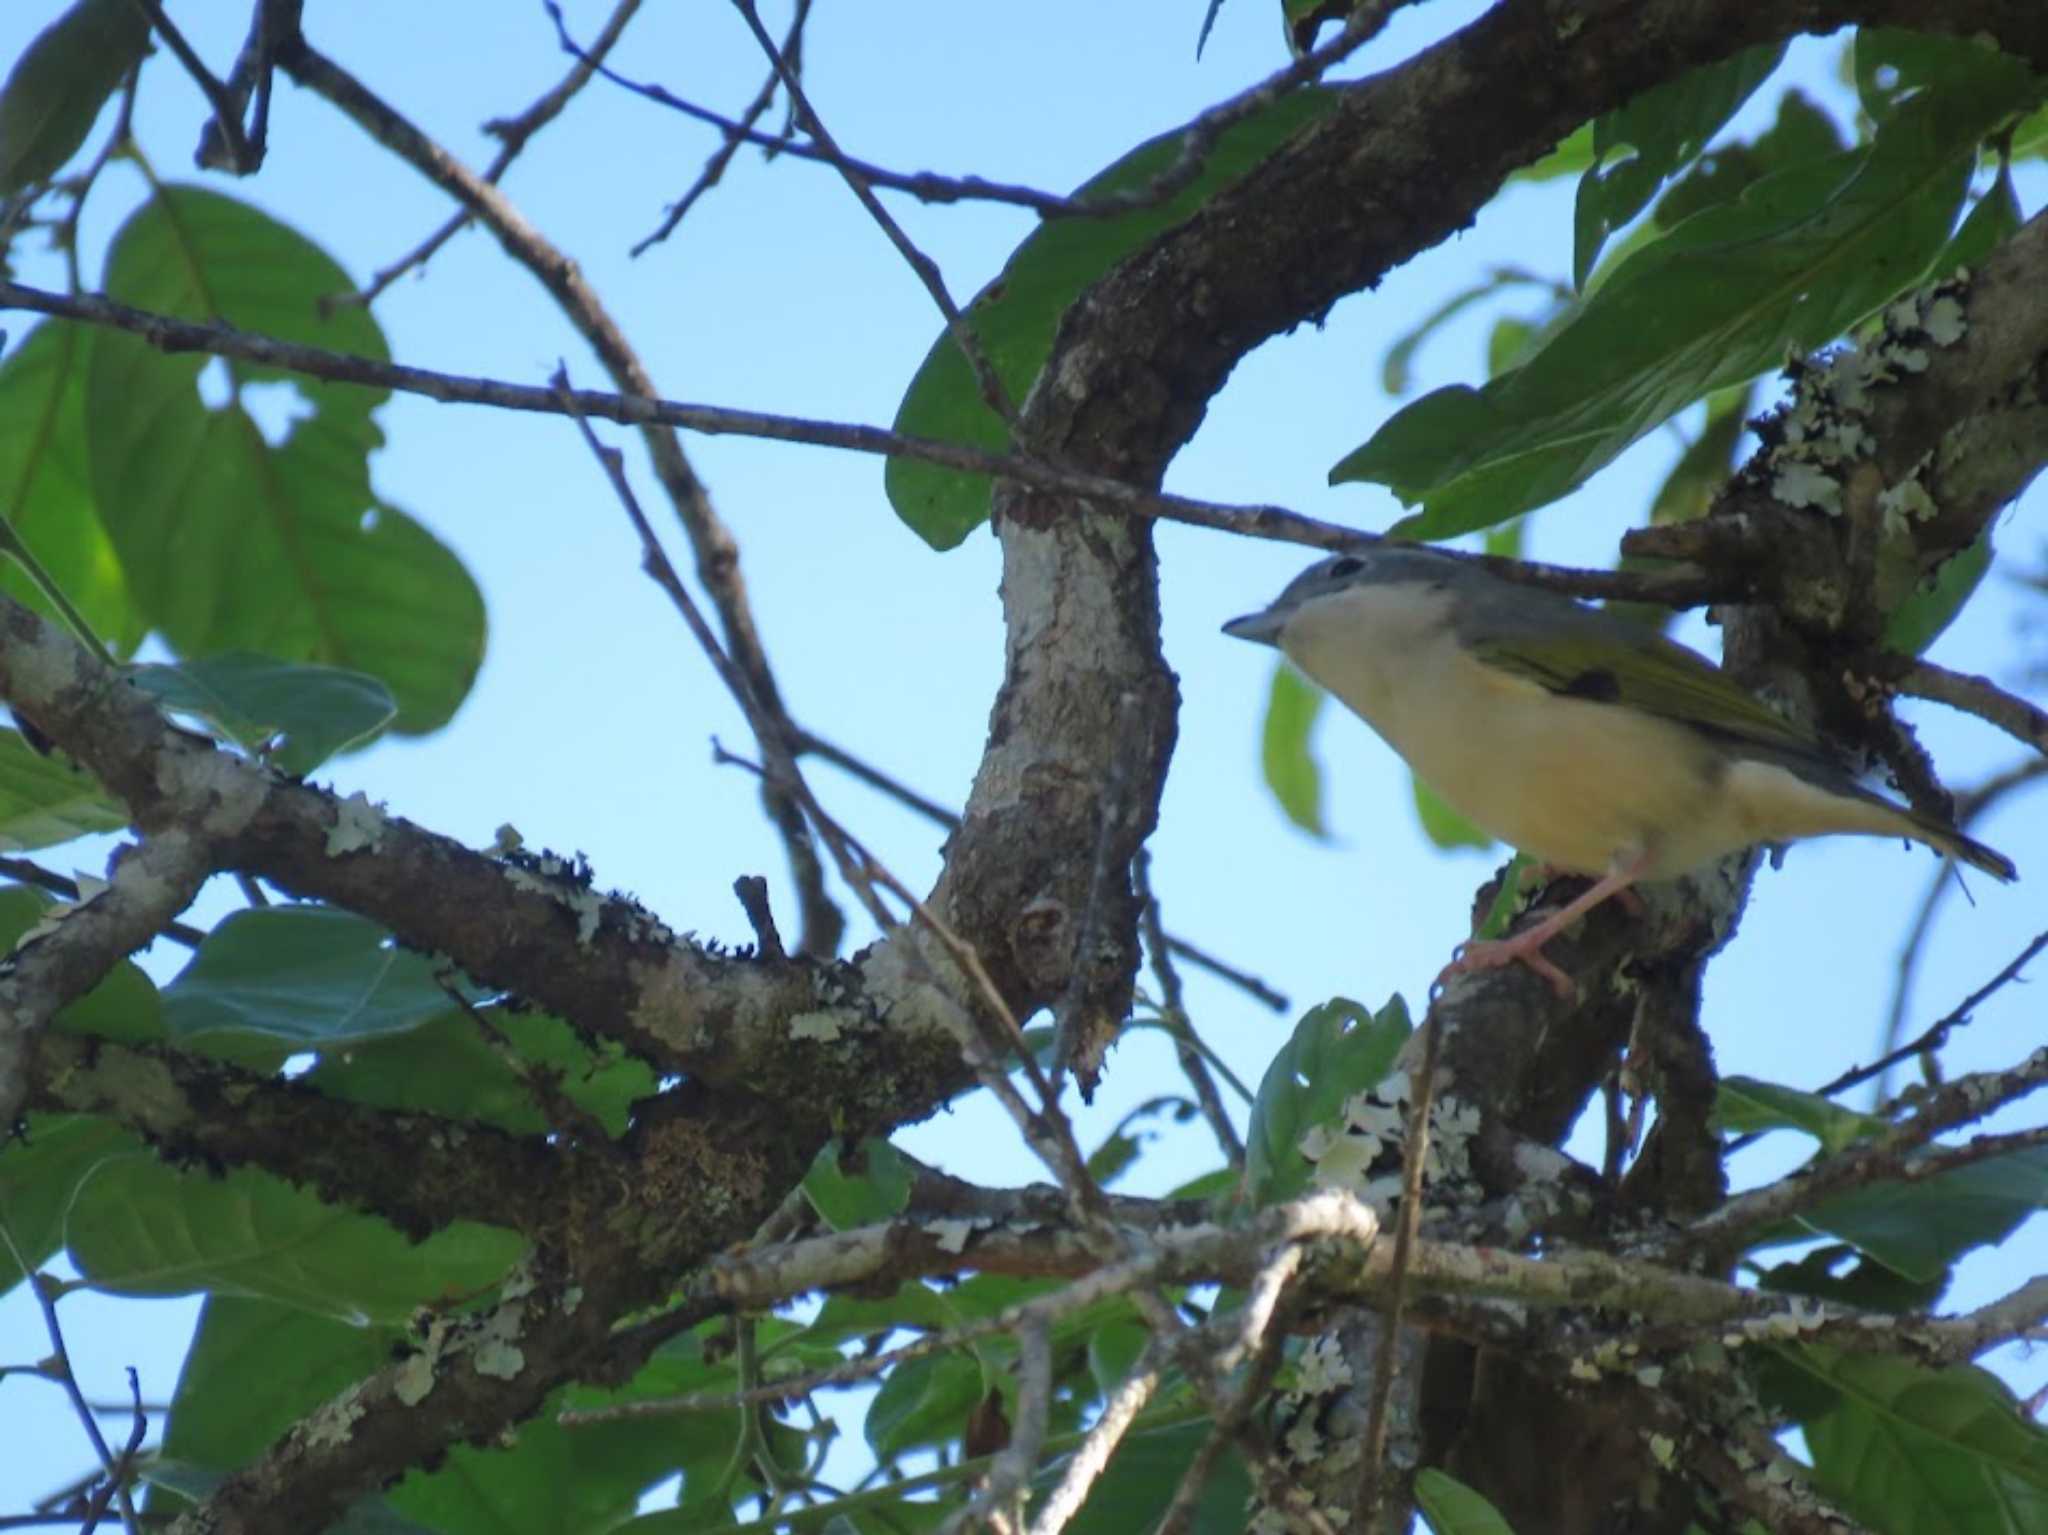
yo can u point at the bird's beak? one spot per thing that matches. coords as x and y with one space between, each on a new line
1260 628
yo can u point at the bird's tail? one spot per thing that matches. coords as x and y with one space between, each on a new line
1943 837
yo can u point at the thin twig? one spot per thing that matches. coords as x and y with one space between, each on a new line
1936 1034
999 1504
1174 1011
225 111
512 134
1086 1465
58 1368
986 379
1197 143
170 334
712 542
1971 694
732 142
1970 805
1415 1155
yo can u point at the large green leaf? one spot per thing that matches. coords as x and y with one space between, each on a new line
1912 1450
1800 257
1338 1049
1661 130
923 1402
45 494
1140 1481
233 1401
309 975
59 84
1291 769
298 715
1014 316
230 542
1918 1229
44 800
1746 1105
848 1196
447 1066
137 1227
1452 1508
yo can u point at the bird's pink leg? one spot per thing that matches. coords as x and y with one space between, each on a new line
1527 945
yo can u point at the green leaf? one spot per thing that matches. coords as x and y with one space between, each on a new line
1452 1508
233 1400
1994 219
1443 825
1140 1481
58 85
1892 66
1918 1229
1396 367
45 494
39 1172
1910 1449
1338 1049
1803 255
1802 132
923 1402
1014 316
874 1188
44 800
1866 1283
311 975
1745 1105
447 1066
251 699
230 542
137 1227
1921 619
1292 772
1665 128
1571 157
1113 1351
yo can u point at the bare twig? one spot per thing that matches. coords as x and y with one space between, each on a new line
227 113
1899 1155
734 139
1970 805
1936 1034
167 333
1174 1011
58 1368
512 134
1000 1502
986 379
1197 144
810 744
1971 694
1415 1155
1086 1465
716 551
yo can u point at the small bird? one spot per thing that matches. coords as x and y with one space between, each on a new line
1593 745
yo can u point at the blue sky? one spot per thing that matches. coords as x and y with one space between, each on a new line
590 725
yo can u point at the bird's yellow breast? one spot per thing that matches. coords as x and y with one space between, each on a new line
1576 783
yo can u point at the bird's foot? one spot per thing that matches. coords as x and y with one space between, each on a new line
1479 954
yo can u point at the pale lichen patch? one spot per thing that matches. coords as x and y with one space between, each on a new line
358 826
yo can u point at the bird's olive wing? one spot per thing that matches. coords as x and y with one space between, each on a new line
1579 653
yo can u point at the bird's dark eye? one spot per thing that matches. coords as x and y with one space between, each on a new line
1344 567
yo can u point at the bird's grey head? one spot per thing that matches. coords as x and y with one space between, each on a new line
1379 564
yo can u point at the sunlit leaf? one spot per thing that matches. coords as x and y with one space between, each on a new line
60 82
230 541
1338 1049
1014 316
